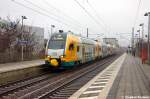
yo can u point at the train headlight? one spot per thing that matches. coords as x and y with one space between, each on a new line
48 56
62 56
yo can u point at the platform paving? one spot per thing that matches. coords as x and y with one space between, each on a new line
132 81
99 86
126 78
20 65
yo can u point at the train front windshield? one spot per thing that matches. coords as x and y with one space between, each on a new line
57 41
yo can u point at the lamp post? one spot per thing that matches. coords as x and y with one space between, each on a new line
22 47
52 26
138 32
132 40
142 25
87 32
139 45
142 39
148 14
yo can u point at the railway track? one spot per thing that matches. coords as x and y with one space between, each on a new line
54 86
66 89
14 86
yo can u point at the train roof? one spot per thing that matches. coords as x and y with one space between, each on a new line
84 40
87 41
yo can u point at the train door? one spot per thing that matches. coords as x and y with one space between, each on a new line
72 51
100 51
83 54
94 52
79 52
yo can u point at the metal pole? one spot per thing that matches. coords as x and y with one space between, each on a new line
139 44
148 37
132 39
87 32
22 47
142 36
52 26
142 32
51 31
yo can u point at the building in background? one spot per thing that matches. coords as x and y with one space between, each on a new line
37 34
111 41
13 36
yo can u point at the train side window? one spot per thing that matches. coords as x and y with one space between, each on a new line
78 48
71 46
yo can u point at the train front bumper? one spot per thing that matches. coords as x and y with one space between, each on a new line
60 62
52 61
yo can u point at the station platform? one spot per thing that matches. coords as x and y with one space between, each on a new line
125 78
20 65
10 72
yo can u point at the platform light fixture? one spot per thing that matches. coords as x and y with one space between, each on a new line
142 25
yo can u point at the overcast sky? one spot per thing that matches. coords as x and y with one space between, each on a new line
108 17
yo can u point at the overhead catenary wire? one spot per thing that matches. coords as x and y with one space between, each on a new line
45 10
37 11
100 19
59 11
66 15
46 15
90 5
88 13
137 12
42 13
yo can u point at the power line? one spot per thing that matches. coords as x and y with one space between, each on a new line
41 13
78 23
96 13
137 12
37 11
45 10
59 11
49 5
89 14
41 8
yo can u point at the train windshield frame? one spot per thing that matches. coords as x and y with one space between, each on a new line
57 41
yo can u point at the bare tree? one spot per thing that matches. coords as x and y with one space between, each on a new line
8 37
11 41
